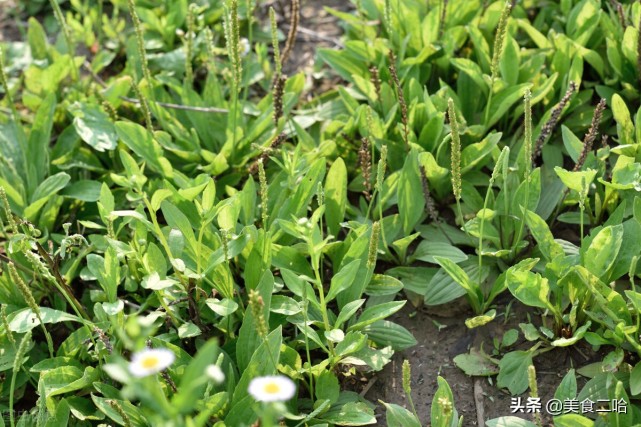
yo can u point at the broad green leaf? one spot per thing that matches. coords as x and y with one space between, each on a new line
141 142
551 249
248 338
572 420
37 154
529 288
411 201
350 414
335 196
397 416
603 250
475 364
375 313
513 371
327 387
443 416
94 127
386 333
624 120
509 421
577 181
343 279
261 363
25 320
426 251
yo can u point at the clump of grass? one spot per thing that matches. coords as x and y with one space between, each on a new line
293 29
549 126
401 98
365 160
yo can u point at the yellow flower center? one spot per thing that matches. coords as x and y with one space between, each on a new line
272 388
150 362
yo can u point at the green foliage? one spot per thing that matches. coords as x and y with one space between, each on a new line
166 186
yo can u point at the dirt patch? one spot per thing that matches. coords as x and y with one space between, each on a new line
440 339
9 31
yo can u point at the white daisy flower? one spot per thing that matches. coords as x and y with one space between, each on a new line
215 373
274 388
150 361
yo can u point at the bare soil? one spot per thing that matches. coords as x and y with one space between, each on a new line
441 337
9 30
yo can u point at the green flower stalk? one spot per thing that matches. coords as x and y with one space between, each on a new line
380 172
256 304
66 33
5 324
17 363
224 236
456 151
264 194
144 106
277 59
189 45
140 40
387 17
31 302
126 421
7 211
211 49
499 40
232 35
373 245
534 391
527 149
365 160
407 385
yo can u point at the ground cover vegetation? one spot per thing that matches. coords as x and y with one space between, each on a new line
194 234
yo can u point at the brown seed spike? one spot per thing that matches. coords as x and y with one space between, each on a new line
401 98
588 140
549 126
